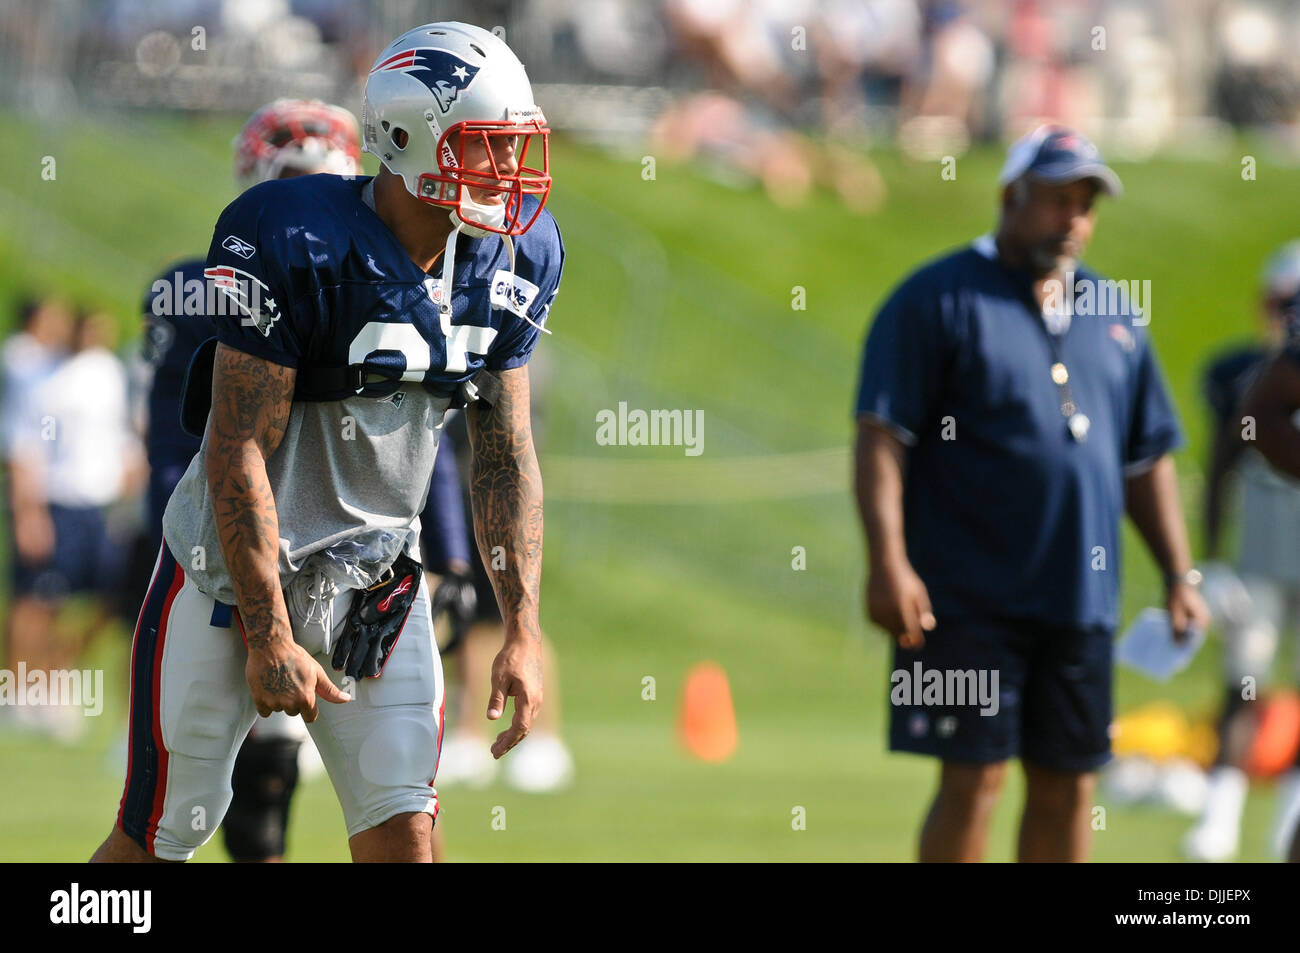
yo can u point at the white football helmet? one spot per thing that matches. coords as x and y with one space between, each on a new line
303 135
441 90
1281 277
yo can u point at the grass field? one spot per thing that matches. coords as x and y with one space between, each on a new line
677 293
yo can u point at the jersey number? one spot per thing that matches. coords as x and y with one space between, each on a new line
460 341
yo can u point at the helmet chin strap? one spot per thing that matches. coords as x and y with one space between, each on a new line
493 215
449 268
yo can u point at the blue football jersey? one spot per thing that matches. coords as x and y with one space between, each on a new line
306 275
175 324
314 279
1227 379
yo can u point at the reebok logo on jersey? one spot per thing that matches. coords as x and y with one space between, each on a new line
238 246
512 292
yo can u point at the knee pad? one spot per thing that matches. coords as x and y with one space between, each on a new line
266 773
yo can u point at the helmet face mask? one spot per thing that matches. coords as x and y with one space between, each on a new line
484 173
443 103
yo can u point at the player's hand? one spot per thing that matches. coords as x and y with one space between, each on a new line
517 673
284 677
1187 610
899 603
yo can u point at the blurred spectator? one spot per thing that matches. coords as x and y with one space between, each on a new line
1257 81
946 95
29 356
865 51
73 453
937 74
741 145
733 44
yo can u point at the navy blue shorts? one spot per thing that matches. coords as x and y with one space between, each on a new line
86 558
983 691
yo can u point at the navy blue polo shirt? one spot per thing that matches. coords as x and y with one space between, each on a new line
1006 514
174 329
1227 379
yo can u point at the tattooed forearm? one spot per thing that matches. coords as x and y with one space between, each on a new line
251 399
506 491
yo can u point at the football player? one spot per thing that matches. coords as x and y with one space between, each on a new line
284 139
1263 595
1270 404
363 308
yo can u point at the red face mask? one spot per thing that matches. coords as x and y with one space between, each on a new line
500 168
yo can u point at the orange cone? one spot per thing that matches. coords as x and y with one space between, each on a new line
708 722
1277 736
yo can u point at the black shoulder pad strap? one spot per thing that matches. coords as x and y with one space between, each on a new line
311 384
486 385
327 383
196 392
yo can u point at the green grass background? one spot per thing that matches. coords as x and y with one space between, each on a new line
677 293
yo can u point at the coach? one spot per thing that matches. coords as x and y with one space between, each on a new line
1009 412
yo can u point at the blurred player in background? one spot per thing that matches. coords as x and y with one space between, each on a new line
284 139
542 762
1272 400
1000 441
1262 599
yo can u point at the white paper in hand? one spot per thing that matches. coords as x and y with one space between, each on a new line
1149 647
1226 595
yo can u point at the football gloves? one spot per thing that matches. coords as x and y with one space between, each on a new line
376 619
457 596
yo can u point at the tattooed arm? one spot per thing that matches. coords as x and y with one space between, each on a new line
251 399
506 491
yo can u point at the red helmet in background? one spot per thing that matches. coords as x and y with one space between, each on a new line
305 136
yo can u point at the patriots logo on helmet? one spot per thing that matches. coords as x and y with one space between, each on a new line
446 74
